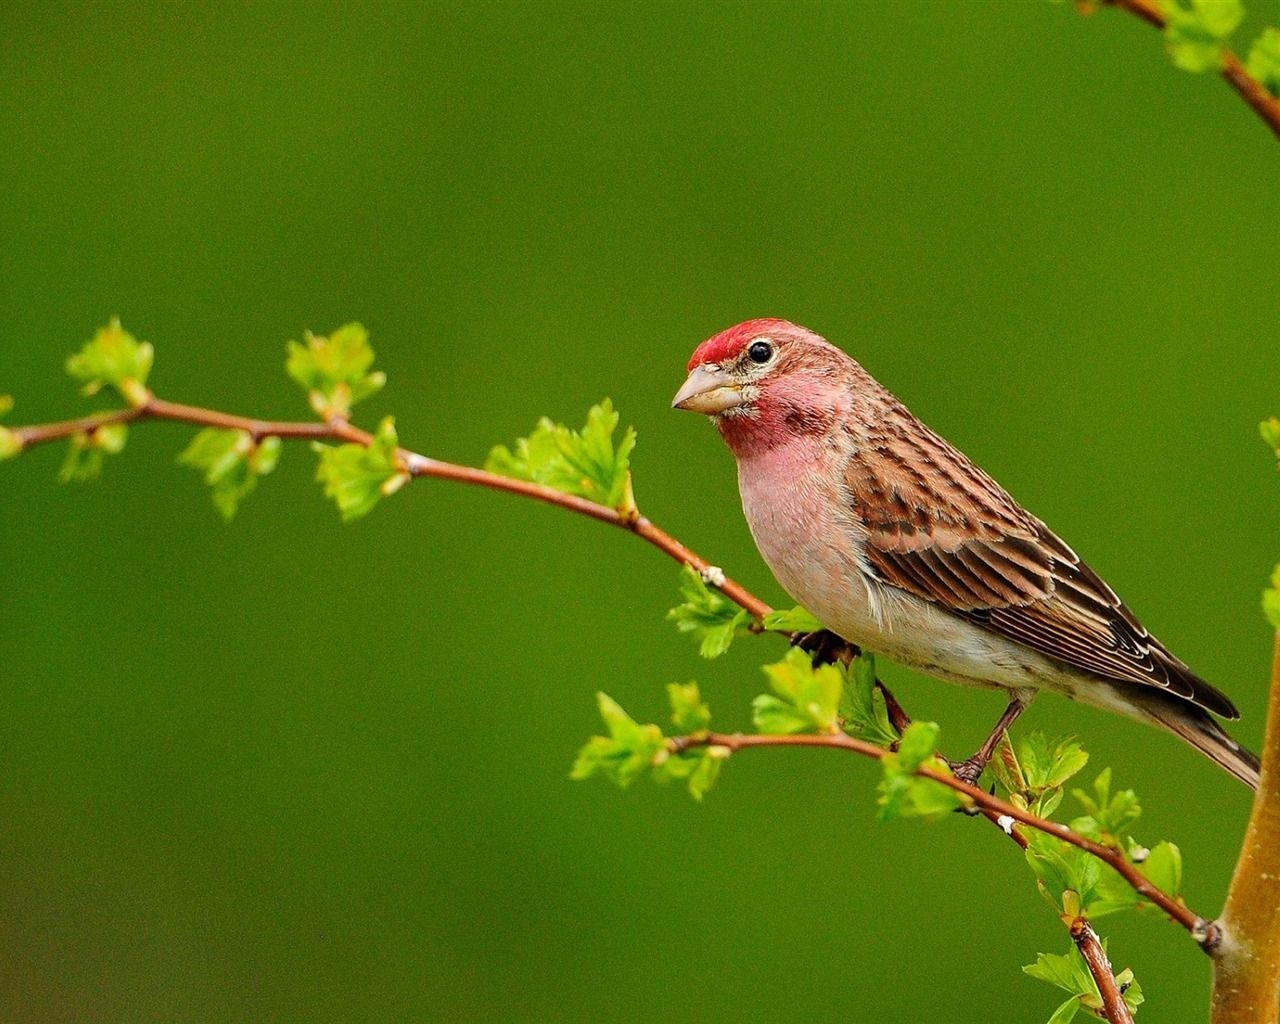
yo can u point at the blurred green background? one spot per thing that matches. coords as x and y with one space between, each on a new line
290 770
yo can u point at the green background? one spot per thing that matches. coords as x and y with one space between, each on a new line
291 770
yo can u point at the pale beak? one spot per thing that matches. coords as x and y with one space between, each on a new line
709 390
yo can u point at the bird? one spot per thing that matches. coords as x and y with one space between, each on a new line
899 544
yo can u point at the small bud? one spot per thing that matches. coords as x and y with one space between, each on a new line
393 484
10 444
713 576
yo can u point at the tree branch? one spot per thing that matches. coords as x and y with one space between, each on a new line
1246 976
152 408
1095 957
1266 106
1000 812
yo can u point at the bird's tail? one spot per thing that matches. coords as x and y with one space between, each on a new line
1196 727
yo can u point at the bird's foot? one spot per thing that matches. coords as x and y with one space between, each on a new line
825 647
969 771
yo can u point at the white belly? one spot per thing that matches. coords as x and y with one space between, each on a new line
807 533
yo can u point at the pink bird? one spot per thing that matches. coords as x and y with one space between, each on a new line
901 545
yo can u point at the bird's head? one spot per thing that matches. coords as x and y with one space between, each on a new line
766 382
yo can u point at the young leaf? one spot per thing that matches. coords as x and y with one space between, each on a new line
114 358
1109 815
1195 31
711 617
689 712
1264 65
1071 974
902 793
87 449
863 712
1271 600
792 620
334 370
627 752
1270 428
583 462
356 477
807 698
698 769
231 464
10 443
1064 873
1163 867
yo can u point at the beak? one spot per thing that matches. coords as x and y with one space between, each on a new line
709 390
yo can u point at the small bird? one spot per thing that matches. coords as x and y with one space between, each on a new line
899 544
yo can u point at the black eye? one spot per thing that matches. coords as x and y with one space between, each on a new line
760 352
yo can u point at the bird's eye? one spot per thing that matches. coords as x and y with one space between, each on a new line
760 352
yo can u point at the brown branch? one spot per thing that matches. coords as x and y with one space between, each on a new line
998 811
1246 975
152 408
1266 106
1001 812
1095 957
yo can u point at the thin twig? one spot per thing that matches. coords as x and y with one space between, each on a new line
1001 812
998 811
1266 106
417 465
1095 957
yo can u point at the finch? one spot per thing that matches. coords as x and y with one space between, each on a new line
899 544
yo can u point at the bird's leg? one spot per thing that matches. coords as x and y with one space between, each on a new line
972 768
825 647
898 717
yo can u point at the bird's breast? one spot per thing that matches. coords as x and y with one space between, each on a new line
812 539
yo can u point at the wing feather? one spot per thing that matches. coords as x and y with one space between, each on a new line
942 529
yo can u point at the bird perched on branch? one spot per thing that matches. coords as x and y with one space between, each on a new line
899 544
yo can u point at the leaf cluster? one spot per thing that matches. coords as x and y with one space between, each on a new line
335 370
711 617
586 463
1070 973
631 749
356 477
114 358
232 463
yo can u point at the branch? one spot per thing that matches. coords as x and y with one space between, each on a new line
1246 977
151 408
1095 957
1266 106
1000 812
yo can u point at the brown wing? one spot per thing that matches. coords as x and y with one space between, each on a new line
941 528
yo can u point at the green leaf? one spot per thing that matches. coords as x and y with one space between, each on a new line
1270 428
792 620
334 370
356 477
627 752
114 358
1070 973
1064 872
1109 815
711 617
1163 867
1037 767
902 793
1195 31
1264 65
1271 600
863 712
689 711
698 769
807 698
585 462
10 443
231 464
86 451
